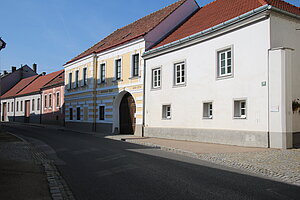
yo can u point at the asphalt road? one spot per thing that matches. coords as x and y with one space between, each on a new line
99 168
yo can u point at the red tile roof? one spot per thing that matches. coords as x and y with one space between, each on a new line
38 83
220 11
132 31
19 86
60 79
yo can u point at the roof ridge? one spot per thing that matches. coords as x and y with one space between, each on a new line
285 3
53 77
36 77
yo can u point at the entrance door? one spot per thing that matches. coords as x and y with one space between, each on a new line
126 112
4 112
27 111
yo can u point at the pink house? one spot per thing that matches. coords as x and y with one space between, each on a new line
53 101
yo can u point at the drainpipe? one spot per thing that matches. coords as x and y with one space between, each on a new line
144 99
268 82
95 64
14 107
41 109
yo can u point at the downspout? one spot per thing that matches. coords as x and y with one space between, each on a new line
144 99
14 107
41 109
94 91
268 82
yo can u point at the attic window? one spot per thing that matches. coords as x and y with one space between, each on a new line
126 35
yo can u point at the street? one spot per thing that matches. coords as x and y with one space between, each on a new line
99 168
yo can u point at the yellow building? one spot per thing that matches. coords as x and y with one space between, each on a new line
104 84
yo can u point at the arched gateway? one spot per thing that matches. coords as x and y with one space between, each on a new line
124 113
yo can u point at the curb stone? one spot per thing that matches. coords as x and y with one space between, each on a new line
58 187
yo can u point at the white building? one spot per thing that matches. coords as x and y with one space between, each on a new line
228 75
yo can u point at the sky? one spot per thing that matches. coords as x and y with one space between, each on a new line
52 32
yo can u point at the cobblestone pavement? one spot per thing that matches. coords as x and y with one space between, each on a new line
280 165
13 148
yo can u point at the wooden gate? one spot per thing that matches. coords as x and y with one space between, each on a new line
27 111
126 112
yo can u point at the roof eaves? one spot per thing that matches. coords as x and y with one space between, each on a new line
207 31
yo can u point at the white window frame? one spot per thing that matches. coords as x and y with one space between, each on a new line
133 65
116 70
76 85
50 101
45 101
84 76
58 103
158 80
166 112
237 114
38 103
17 106
102 77
182 73
225 51
207 110
32 104
70 80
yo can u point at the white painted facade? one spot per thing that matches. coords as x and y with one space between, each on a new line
259 69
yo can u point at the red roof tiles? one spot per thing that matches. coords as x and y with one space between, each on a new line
221 11
38 83
60 79
19 86
132 31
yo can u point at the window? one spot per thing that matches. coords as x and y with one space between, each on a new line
225 62
84 76
101 112
70 81
156 78
71 113
45 101
50 100
77 78
78 113
12 106
38 104
17 106
135 65
21 106
240 109
7 107
118 69
179 73
102 73
166 112
32 105
57 99
208 110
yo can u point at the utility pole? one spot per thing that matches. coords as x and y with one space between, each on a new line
2 46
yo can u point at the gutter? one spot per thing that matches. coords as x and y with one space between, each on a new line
218 27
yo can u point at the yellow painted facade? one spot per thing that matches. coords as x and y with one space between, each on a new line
95 93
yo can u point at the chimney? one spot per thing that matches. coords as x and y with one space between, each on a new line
43 73
5 72
13 68
34 67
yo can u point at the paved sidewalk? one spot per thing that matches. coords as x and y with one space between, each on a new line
280 165
20 176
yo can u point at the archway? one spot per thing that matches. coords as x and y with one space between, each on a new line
127 111
124 109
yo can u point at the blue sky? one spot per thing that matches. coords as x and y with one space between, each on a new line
51 32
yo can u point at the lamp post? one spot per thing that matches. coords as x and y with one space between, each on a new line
2 46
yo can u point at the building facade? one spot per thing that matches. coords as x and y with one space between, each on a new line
228 79
53 111
104 85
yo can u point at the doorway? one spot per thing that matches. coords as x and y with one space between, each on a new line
127 111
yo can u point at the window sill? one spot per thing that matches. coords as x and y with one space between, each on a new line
155 89
166 118
179 85
242 117
224 76
117 80
134 77
207 117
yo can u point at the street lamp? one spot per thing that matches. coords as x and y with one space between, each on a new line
2 44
